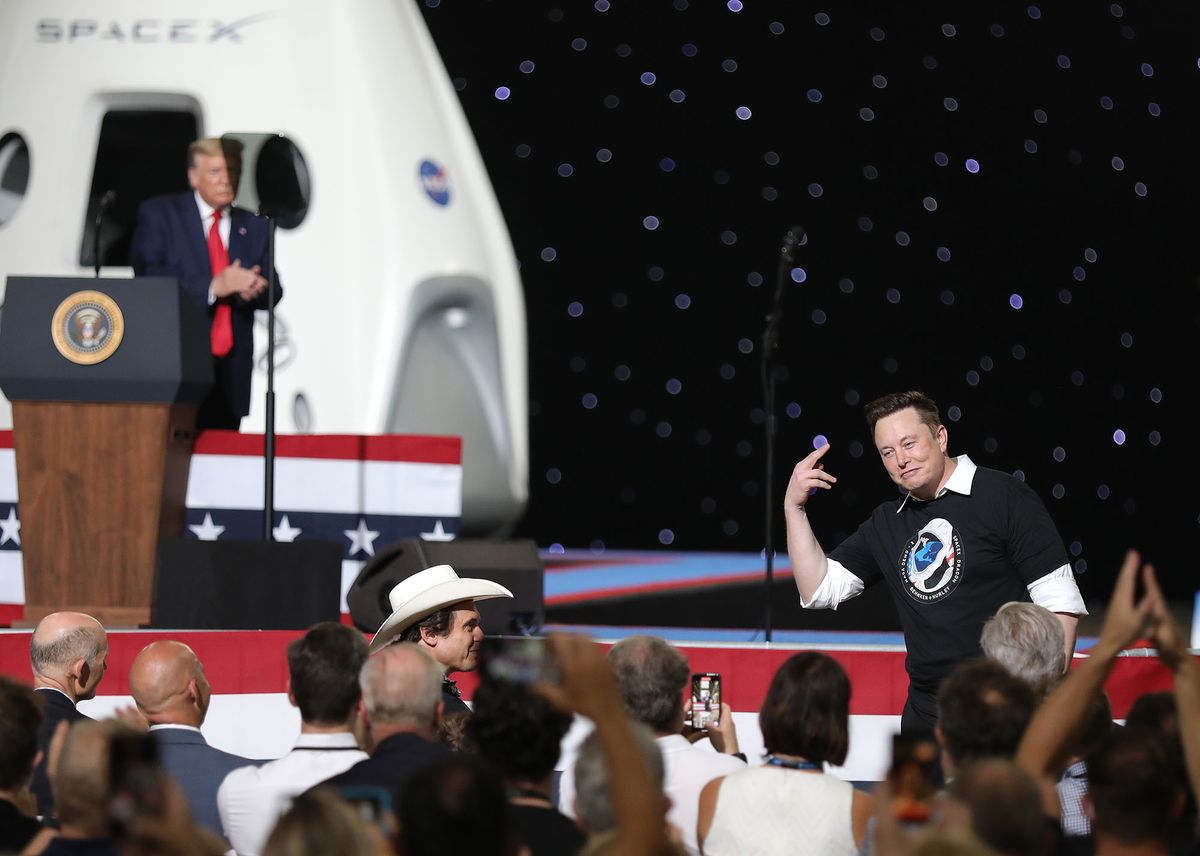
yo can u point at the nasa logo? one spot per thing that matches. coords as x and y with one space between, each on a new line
931 565
435 182
87 327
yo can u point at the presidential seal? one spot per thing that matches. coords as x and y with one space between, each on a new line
87 327
932 563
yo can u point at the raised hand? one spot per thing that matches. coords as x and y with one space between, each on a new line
808 476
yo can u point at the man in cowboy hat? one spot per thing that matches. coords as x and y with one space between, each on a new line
435 608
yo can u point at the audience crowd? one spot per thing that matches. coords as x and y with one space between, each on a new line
1025 758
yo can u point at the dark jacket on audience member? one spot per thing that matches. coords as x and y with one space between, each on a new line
16 830
390 765
56 708
546 832
199 769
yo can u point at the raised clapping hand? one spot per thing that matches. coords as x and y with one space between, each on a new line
807 476
1165 632
1127 619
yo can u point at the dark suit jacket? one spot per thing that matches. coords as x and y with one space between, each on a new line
199 769
56 708
16 830
390 765
169 240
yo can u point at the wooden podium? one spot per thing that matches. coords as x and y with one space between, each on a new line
104 376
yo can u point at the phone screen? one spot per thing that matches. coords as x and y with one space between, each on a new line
372 804
706 700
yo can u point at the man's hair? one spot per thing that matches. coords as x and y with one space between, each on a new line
894 402
1097 724
225 147
439 623
807 709
324 665
1156 711
516 731
81 643
457 798
1134 786
593 795
401 685
81 785
210 146
1005 805
20 719
1028 640
651 676
983 710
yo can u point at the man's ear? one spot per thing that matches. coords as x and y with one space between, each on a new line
194 693
429 637
290 695
1088 807
81 671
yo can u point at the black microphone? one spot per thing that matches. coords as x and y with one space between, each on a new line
106 202
793 238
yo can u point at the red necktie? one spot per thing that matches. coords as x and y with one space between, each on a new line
221 335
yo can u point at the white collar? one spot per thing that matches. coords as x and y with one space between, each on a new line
336 740
959 482
160 726
206 210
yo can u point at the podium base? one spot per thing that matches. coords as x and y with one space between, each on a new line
112 617
246 585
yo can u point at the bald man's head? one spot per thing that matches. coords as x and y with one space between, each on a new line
168 684
68 651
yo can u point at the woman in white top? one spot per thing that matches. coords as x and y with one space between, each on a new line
789 804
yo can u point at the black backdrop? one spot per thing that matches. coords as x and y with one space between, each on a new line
999 206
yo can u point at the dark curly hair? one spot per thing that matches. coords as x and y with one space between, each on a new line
516 731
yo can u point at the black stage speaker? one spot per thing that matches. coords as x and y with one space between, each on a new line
246 585
514 564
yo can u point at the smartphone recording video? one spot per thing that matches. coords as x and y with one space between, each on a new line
519 659
913 777
706 700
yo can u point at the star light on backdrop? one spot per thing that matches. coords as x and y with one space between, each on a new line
998 207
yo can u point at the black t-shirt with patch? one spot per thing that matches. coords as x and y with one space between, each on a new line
952 562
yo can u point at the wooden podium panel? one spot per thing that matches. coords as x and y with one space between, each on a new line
100 483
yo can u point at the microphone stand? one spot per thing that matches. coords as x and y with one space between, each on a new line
105 201
770 344
269 429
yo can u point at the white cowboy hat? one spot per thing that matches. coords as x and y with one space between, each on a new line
424 593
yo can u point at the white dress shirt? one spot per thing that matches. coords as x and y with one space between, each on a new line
251 799
223 229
